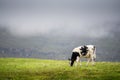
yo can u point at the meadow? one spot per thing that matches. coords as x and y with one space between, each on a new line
40 69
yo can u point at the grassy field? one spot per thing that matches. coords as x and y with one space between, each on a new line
37 69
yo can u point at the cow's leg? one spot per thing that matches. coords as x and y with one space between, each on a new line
80 63
77 60
89 59
93 62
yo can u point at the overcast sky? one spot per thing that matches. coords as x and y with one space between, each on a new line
93 18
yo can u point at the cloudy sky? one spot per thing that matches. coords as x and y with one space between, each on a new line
57 26
93 18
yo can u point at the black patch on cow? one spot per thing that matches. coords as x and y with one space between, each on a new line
84 50
74 57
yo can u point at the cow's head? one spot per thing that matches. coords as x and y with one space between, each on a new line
71 62
73 58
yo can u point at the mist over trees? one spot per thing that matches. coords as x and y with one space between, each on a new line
57 47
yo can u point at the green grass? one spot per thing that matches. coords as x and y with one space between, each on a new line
37 69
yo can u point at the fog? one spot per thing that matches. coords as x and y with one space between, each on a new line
59 21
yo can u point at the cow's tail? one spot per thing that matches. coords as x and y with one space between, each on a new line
94 53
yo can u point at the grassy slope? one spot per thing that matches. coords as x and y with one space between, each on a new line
35 69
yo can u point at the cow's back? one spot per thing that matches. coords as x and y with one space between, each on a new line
89 52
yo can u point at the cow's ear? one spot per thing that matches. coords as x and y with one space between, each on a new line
69 59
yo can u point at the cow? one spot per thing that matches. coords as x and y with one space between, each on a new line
86 51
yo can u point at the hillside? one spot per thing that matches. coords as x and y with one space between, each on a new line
37 69
54 47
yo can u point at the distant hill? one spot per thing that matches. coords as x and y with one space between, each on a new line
60 49
57 47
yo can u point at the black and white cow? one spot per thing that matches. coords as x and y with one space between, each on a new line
86 51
